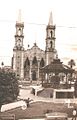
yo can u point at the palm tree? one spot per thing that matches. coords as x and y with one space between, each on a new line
71 63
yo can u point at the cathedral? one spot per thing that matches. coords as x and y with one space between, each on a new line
27 62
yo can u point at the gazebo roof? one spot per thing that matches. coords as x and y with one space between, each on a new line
57 66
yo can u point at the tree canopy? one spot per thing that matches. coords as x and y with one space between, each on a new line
71 63
9 89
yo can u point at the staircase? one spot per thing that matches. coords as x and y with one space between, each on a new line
47 93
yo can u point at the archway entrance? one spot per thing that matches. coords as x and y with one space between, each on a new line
34 75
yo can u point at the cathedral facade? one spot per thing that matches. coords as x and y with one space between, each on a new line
27 62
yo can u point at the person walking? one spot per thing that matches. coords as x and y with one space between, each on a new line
28 101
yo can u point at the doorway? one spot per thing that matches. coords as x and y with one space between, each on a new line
34 75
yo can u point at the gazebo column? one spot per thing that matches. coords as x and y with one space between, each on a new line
49 77
46 77
66 81
66 78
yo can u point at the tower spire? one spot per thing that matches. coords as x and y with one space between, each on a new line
50 19
50 41
35 37
35 43
19 16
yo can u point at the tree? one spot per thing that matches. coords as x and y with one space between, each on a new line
71 63
9 89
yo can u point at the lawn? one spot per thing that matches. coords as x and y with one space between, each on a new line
39 109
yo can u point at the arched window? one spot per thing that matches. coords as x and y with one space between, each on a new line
51 34
19 31
27 63
42 63
34 60
19 42
51 44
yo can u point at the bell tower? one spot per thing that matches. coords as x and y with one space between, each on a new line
19 33
50 41
18 50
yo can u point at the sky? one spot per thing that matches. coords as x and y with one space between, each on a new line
35 15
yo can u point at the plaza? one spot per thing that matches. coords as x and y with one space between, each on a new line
47 87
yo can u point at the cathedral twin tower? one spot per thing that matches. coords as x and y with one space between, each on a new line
27 63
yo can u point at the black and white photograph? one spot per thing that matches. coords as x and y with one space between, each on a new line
38 60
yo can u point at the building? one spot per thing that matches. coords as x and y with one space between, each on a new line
27 62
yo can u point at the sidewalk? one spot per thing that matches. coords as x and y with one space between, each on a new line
25 93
